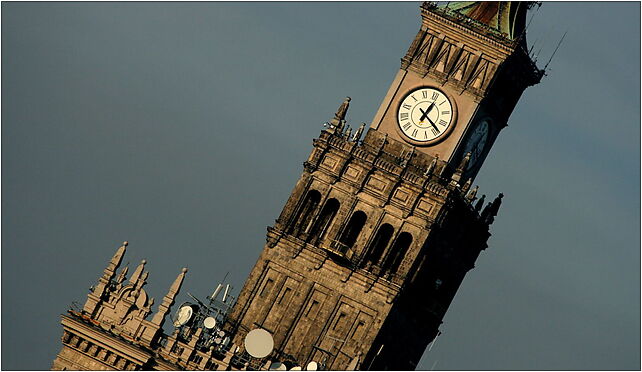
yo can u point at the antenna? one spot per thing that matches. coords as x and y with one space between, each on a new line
434 340
195 299
539 5
375 357
216 292
227 288
555 51
434 364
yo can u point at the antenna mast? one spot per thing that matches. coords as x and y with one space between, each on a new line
555 51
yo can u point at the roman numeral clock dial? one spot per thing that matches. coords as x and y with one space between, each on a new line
425 116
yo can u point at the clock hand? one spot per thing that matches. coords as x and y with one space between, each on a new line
433 124
425 113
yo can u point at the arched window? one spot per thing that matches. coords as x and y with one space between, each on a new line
322 223
397 252
352 230
302 219
379 243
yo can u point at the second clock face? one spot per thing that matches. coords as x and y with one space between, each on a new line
425 115
477 142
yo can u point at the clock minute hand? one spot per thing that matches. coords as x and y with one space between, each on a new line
433 124
425 113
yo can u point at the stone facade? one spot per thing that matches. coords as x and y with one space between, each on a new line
374 241
326 286
378 234
111 332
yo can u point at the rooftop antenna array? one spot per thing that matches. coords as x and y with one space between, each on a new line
210 317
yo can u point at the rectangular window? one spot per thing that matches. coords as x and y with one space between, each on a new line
284 296
339 321
357 330
266 288
312 309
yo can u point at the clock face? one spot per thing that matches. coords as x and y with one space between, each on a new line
477 142
425 115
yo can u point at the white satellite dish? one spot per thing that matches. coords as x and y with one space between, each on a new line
209 322
183 315
278 366
259 343
312 366
297 368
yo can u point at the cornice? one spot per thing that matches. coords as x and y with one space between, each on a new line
106 340
497 40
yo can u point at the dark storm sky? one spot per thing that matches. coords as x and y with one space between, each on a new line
182 127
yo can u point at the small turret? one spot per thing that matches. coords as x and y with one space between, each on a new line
337 123
151 333
472 194
432 166
489 213
94 298
480 204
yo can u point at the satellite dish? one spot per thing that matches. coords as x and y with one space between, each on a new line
209 322
183 315
297 368
259 343
312 366
221 333
278 366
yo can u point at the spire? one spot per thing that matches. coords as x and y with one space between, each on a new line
151 333
348 132
115 261
357 134
338 121
99 290
138 272
168 300
480 203
343 109
489 213
431 167
122 275
466 187
505 17
460 169
464 163
472 194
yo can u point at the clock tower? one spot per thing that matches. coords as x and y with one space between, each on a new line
460 80
377 236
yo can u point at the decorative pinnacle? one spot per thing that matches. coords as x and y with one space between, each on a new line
337 123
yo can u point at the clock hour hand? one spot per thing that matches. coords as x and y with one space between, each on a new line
425 113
